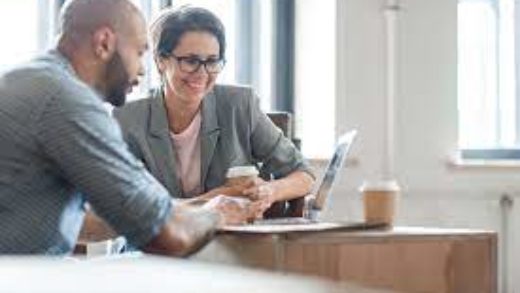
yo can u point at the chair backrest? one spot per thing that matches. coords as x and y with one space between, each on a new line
284 121
291 208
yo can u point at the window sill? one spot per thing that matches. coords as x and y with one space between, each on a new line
458 162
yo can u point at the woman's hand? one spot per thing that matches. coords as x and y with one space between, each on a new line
259 189
262 193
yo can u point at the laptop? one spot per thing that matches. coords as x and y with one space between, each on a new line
313 207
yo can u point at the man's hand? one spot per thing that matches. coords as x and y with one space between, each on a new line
188 230
233 210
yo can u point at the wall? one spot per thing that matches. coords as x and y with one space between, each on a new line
434 194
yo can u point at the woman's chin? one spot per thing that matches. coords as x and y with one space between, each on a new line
195 94
191 97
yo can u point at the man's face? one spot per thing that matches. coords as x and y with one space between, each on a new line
118 81
125 66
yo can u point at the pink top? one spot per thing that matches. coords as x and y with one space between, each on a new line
187 147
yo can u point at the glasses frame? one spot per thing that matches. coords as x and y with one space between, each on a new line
201 62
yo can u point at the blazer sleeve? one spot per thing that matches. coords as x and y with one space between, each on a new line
276 152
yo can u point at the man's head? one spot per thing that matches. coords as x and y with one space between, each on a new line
104 40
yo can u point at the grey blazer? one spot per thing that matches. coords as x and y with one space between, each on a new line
234 131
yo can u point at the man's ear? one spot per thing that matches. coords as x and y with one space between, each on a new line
104 43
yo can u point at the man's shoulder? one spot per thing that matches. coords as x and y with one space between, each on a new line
32 76
43 77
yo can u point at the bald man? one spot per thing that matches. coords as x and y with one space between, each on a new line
59 148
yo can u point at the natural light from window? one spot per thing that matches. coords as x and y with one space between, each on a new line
315 76
20 34
487 99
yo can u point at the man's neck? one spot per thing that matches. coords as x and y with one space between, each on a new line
82 62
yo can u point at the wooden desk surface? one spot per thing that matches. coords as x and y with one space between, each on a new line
405 259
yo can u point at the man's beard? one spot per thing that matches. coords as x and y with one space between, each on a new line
117 81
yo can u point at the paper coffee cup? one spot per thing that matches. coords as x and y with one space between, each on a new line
241 175
379 201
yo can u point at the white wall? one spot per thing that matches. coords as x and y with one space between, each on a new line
434 194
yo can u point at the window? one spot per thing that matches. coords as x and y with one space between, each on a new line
315 76
488 100
149 8
22 43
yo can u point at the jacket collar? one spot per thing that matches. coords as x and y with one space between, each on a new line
158 115
210 132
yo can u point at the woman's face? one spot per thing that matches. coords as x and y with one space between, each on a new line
178 69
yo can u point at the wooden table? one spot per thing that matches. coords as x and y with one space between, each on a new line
403 259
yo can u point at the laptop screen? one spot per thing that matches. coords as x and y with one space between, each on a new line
335 164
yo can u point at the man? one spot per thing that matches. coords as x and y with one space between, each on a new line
59 147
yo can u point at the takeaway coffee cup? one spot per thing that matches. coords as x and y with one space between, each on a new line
379 200
241 175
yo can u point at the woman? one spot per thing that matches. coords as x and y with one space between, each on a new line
190 131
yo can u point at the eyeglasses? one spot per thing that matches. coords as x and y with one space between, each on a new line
192 64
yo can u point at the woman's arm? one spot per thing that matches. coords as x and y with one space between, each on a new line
294 185
265 193
280 158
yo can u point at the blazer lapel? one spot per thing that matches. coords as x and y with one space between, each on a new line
210 132
161 144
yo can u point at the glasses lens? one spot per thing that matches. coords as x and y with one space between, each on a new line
190 64
214 66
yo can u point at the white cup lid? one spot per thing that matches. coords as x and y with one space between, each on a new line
379 185
241 171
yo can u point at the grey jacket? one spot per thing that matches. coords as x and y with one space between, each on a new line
234 131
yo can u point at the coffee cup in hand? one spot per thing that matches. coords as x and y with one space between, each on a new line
379 201
241 175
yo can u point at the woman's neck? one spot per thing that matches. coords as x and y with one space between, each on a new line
179 111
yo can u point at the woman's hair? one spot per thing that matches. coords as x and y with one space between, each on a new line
171 25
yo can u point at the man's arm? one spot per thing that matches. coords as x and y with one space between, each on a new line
190 228
88 150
